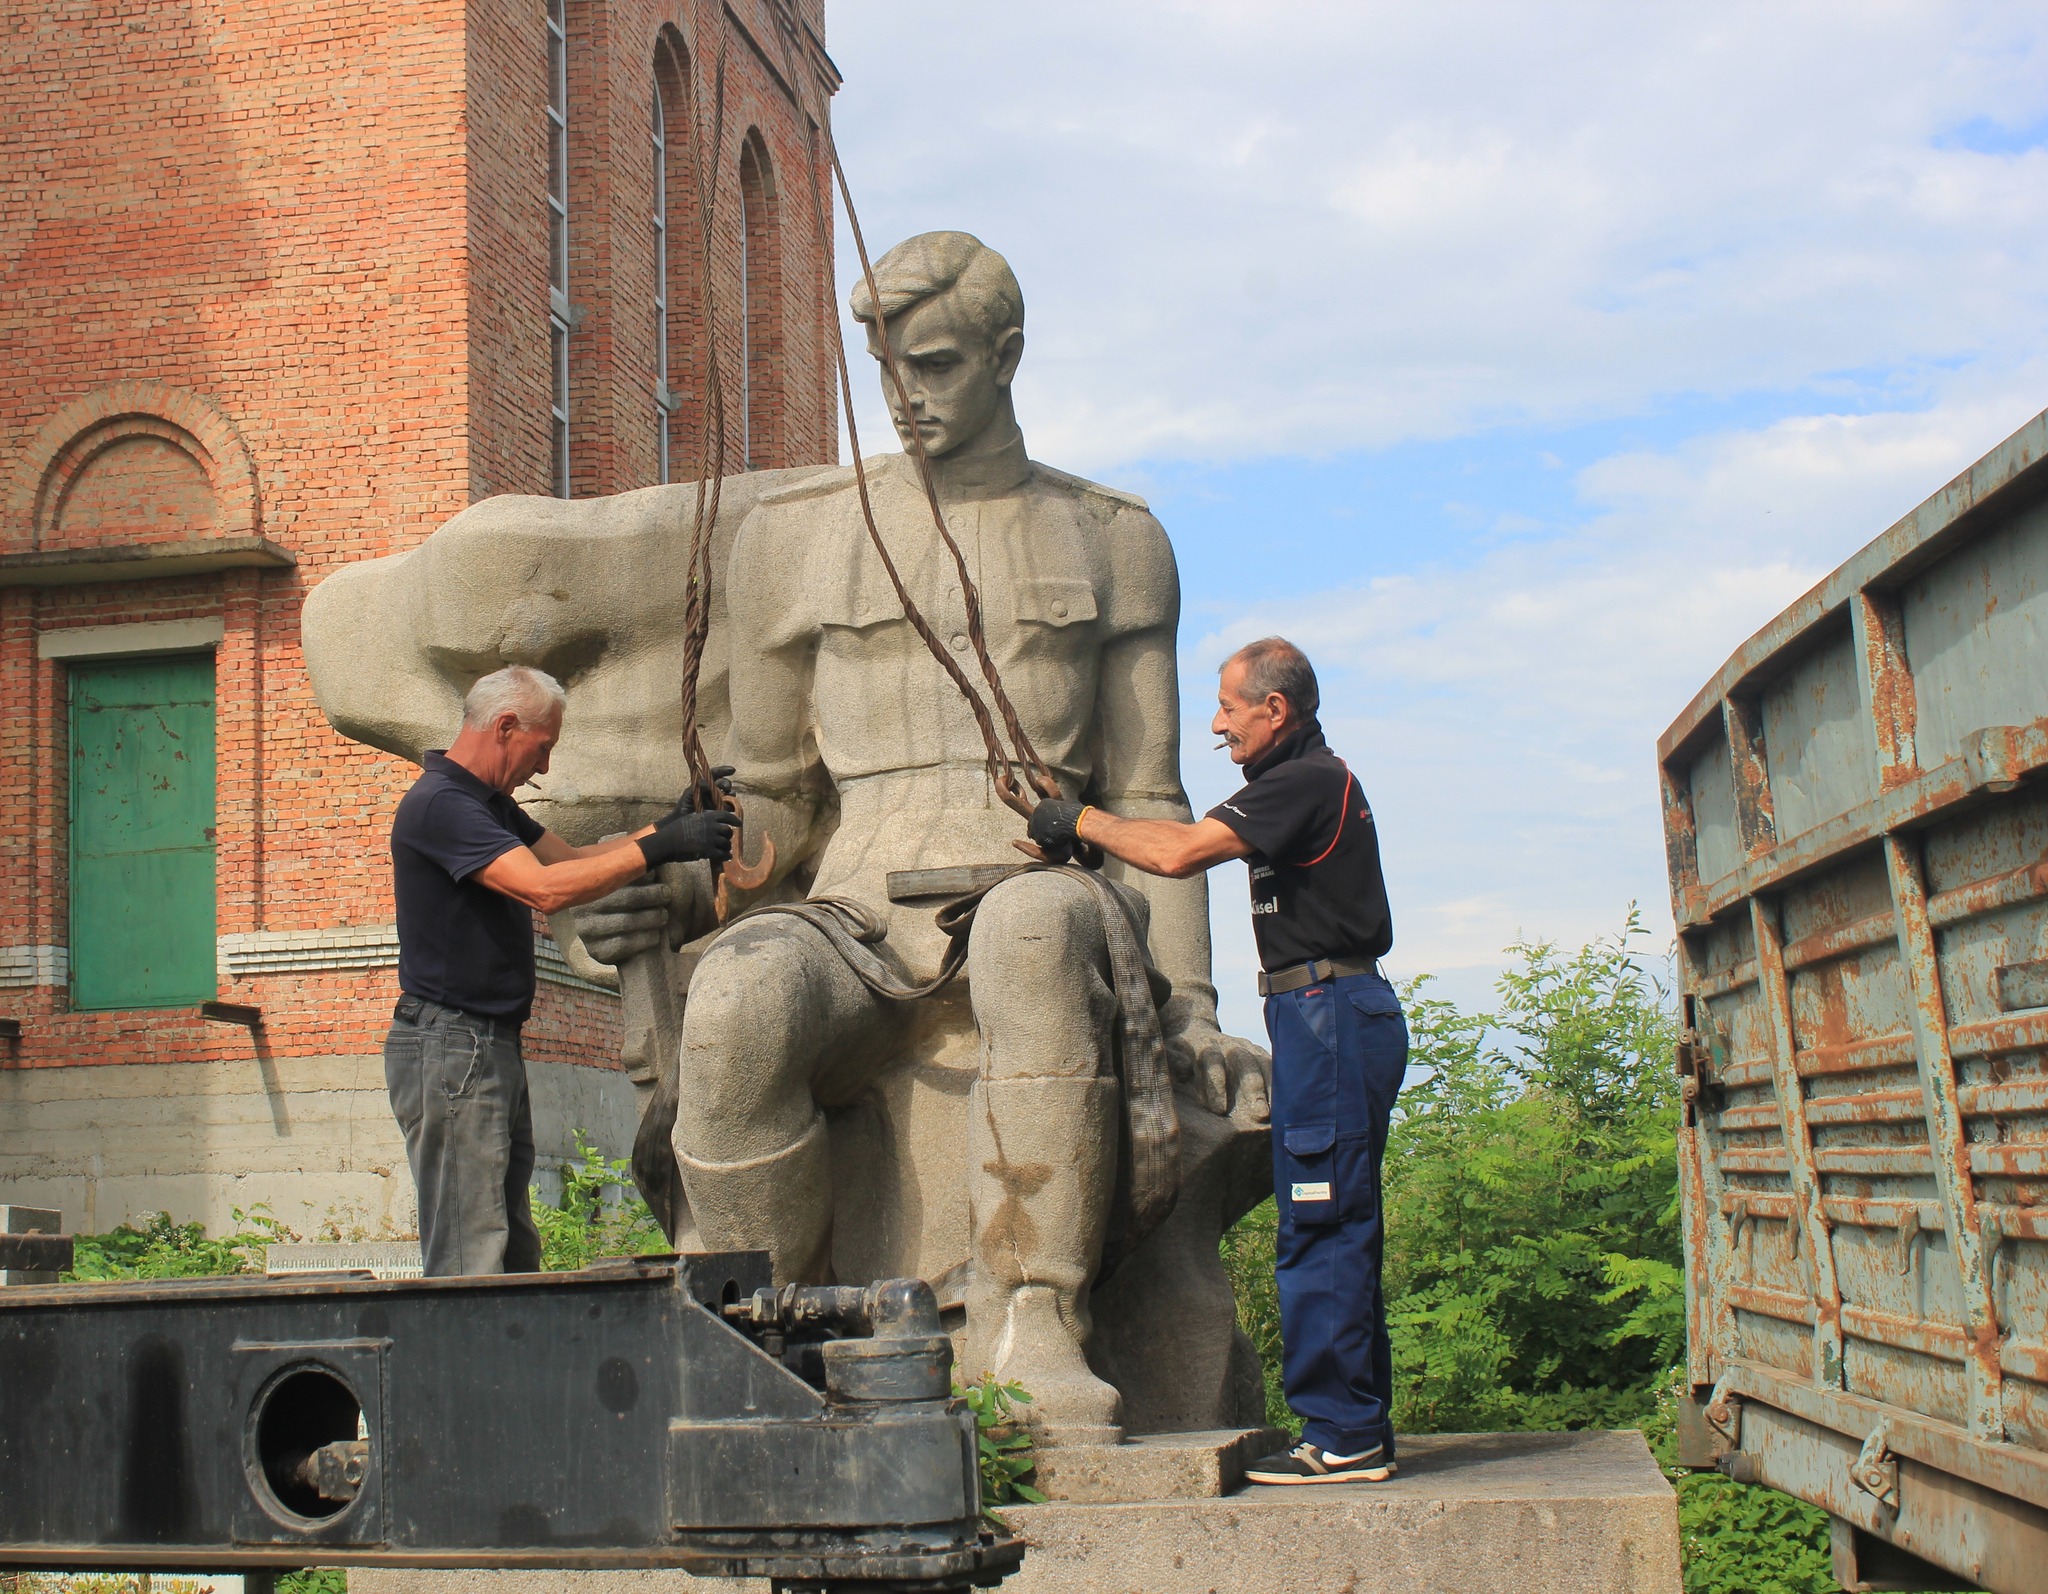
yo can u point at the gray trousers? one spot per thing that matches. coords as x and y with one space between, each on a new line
458 1087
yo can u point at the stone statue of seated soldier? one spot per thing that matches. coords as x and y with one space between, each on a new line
1057 1136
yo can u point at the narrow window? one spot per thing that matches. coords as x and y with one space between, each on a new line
558 241
664 401
761 393
142 833
681 352
746 338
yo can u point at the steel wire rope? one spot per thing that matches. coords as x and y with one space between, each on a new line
1001 762
710 487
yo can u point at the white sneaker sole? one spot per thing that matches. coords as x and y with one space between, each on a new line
1343 1475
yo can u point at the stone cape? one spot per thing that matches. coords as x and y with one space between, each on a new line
591 590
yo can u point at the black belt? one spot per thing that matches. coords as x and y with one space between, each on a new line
1281 981
411 1009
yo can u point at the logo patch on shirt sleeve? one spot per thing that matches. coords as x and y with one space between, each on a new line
1311 1192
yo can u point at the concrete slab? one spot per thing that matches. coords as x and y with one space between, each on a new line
311 1138
1166 1466
1581 1513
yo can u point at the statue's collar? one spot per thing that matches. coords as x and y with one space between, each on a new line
989 475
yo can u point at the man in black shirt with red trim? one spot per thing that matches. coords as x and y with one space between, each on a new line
1340 1042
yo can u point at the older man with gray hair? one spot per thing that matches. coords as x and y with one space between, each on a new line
1340 1041
470 868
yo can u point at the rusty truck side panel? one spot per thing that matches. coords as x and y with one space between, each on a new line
1856 825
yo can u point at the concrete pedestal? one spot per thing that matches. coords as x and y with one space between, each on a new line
1165 1466
1581 1513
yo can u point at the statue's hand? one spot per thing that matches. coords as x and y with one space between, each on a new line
1229 1076
616 929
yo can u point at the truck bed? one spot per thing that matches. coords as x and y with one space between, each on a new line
1856 821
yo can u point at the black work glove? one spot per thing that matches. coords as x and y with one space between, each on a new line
1053 828
690 836
721 777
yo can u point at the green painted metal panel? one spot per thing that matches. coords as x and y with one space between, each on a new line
142 833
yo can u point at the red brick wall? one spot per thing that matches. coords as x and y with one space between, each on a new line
319 228
612 47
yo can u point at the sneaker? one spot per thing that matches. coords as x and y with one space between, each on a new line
1307 1463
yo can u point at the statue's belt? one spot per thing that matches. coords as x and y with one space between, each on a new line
1153 1124
957 880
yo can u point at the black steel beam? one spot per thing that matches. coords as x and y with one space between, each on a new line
641 1413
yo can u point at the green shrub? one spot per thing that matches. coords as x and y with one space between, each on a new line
1738 1538
1533 1264
314 1580
600 1213
157 1248
1003 1444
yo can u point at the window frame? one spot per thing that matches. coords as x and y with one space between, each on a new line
665 400
559 317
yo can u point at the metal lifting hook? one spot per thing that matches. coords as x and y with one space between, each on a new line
736 873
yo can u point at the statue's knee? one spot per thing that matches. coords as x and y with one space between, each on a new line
1037 926
1038 971
740 1063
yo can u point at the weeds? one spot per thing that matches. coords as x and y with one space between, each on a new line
1004 1444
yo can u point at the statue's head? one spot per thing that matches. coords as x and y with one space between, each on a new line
956 326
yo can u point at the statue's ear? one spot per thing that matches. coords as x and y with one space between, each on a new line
1009 351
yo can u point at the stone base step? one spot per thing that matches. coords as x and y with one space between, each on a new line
1165 1466
1574 1513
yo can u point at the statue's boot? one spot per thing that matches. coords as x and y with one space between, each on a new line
1041 1175
780 1203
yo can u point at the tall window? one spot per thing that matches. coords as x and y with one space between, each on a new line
664 400
681 354
558 240
760 310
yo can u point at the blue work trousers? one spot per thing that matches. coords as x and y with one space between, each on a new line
458 1087
1339 1051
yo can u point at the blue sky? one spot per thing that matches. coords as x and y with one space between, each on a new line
1517 361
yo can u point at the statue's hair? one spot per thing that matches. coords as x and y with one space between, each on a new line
534 695
933 263
1273 664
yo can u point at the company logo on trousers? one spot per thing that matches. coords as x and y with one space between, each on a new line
1311 1192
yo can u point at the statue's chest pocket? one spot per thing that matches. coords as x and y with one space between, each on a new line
1058 602
861 605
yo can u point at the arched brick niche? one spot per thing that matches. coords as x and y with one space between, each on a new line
137 462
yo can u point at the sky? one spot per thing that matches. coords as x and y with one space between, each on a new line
1516 361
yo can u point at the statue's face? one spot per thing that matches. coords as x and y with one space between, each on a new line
955 376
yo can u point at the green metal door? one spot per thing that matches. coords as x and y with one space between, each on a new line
142 848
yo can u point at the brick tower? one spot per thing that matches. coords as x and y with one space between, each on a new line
286 285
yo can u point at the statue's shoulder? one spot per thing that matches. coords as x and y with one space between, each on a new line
824 483
1109 498
792 521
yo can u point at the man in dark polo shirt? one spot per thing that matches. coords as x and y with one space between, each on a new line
1340 1042
471 869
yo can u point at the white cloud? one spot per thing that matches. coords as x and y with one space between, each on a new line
1502 716
1298 227
1280 229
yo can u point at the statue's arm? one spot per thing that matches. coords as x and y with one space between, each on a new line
1137 775
1137 761
777 776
